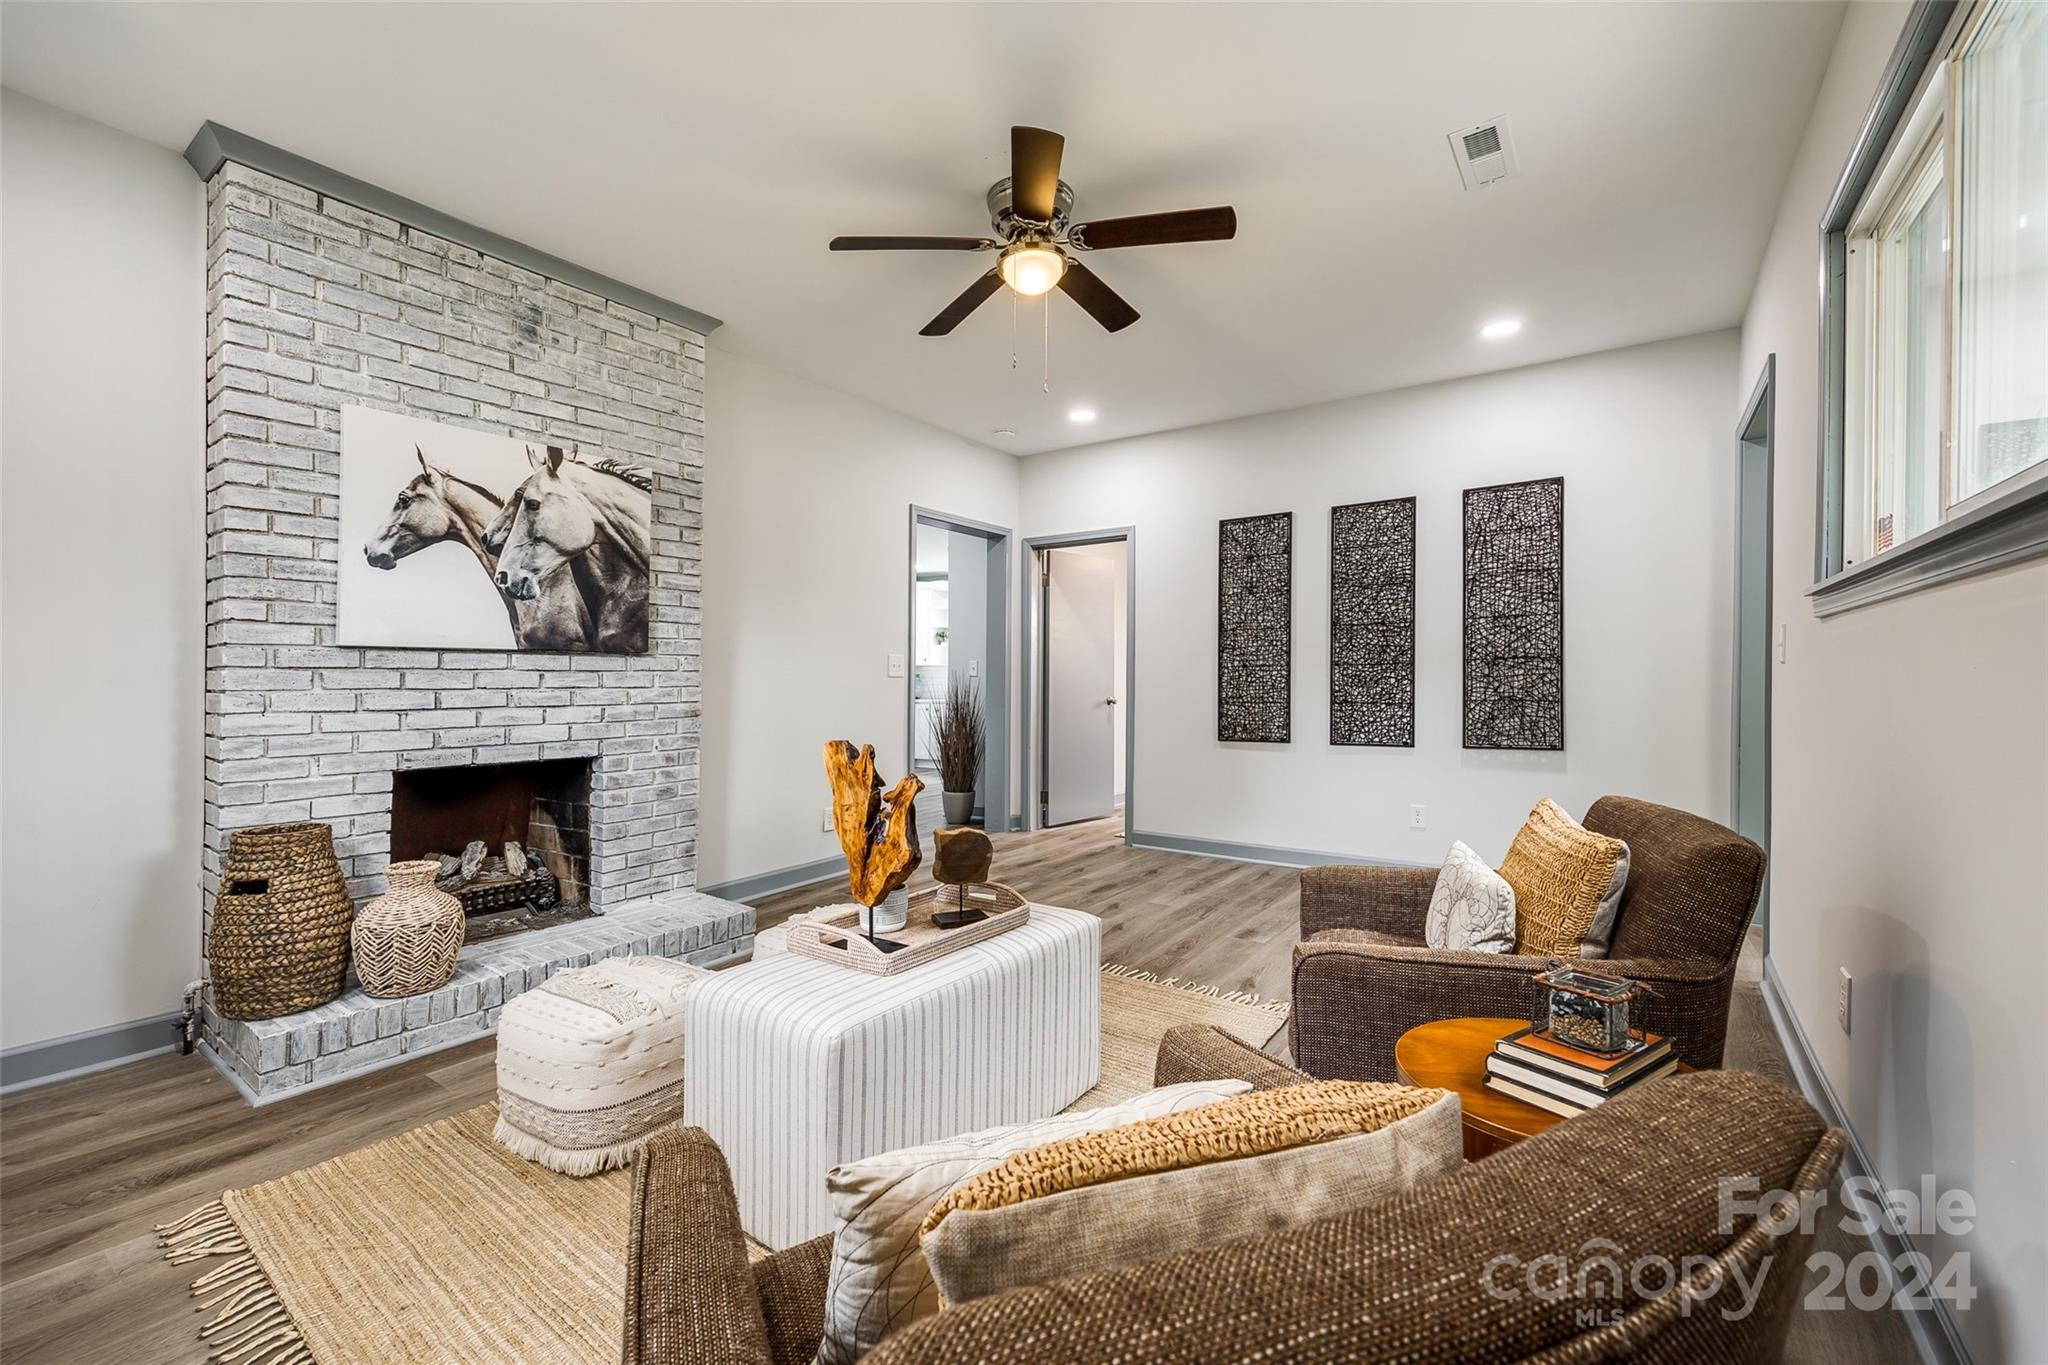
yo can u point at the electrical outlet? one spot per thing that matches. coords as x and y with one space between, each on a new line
1418 817
974 668
895 665
1842 1000
825 821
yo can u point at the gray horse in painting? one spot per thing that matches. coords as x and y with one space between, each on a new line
595 520
435 507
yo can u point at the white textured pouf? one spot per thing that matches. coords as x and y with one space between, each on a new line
591 1062
799 1064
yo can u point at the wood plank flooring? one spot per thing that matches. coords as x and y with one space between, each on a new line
88 1166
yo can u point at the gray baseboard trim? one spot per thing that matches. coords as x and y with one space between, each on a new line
78 1054
781 879
213 145
1255 853
1934 1331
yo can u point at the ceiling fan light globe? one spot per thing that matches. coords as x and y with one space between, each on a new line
1032 270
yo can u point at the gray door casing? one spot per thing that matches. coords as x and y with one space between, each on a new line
1750 731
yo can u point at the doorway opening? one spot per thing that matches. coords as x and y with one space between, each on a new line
1750 784
1082 602
959 643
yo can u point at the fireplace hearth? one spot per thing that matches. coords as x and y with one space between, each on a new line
513 839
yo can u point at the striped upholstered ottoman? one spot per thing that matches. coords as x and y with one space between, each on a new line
591 1062
798 1065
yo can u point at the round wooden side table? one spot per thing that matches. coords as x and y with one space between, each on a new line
1450 1054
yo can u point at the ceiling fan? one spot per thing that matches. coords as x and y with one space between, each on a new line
1029 212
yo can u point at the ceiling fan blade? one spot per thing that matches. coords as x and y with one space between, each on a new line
1034 172
914 244
970 299
1156 229
1102 303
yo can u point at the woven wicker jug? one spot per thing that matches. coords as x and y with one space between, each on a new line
278 941
407 939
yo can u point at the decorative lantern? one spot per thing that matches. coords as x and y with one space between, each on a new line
1586 1010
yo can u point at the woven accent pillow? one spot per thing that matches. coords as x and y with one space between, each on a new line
879 1282
1472 908
1567 882
1258 1164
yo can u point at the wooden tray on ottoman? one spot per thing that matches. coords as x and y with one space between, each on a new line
837 938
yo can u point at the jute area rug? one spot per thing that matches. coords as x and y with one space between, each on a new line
440 1246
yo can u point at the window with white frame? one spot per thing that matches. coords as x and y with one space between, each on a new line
1945 291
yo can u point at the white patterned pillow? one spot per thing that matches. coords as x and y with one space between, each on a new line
1472 909
880 1282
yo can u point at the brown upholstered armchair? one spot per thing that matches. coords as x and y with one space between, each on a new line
1362 976
1448 1272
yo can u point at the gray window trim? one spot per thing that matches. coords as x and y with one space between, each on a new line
213 145
2002 532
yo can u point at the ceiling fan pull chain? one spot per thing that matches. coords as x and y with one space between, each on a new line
1013 329
1045 362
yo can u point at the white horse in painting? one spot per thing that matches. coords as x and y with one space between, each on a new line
435 507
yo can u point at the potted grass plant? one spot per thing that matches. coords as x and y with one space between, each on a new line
957 739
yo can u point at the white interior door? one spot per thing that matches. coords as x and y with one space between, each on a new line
1080 680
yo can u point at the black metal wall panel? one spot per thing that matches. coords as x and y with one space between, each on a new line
1255 629
1372 623
1514 616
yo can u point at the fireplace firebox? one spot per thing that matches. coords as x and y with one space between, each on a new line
535 813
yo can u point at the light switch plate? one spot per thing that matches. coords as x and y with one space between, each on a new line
895 665
974 668
1781 642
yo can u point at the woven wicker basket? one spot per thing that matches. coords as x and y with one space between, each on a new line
407 939
279 937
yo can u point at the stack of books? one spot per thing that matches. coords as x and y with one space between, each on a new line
1536 1068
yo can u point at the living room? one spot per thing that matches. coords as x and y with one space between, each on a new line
644 786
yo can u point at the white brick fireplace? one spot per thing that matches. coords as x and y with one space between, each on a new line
314 303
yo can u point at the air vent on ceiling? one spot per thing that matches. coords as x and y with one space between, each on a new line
1485 153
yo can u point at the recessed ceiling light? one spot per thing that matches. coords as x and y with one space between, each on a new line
1004 431
1081 415
1505 327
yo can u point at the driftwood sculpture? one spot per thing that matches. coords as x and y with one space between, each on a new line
877 829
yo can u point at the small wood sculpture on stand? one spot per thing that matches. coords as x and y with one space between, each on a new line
877 830
963 860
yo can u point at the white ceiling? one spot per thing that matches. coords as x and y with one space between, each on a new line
708 152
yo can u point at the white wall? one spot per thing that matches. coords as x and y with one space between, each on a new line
807 497
1645 442
102 321
1909 808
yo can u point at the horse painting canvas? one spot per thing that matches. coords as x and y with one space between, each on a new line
459 539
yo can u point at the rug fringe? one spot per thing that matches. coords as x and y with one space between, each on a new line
250 1324
1257 1002
590 1161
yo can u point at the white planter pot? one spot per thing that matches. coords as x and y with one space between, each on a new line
892 914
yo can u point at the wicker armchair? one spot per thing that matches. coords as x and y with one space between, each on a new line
1433 1275
1363 977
